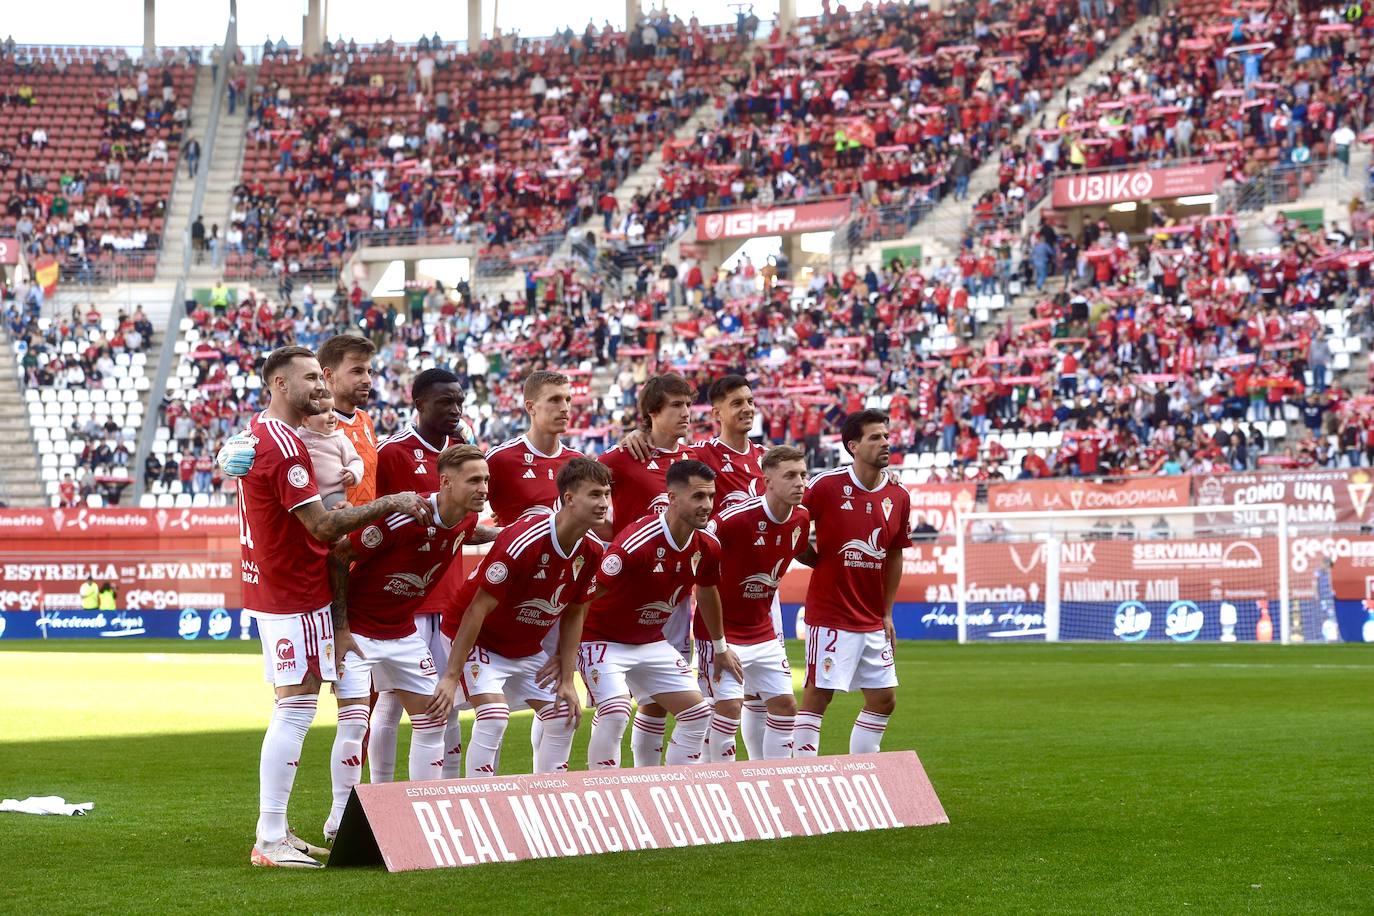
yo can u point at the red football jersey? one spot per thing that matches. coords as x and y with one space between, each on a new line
755 550
855 529
406 462
647 575
736 473
533 582
524 478
399 564
285 570
639 488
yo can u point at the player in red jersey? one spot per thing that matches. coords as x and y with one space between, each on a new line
284 537
540 571
527 467
759 539
653 564
860 518
736 461
665 414
407 460
395 563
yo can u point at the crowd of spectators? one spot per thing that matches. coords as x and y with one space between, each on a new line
89 141
513 142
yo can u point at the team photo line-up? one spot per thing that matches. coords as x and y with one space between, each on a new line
624 569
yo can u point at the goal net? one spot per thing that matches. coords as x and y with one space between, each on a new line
1187 574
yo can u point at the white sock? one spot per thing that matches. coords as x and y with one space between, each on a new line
689 731
722 738
536 736
777 737
426 748
608 730
867 735
453 747
487 732
281 758
806 734
555 740
751 724
346 764
381 740
646 739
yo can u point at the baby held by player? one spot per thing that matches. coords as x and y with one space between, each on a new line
337 463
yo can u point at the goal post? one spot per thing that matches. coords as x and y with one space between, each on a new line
1180 574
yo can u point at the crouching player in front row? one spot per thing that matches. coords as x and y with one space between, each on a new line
650 568
541 571
759 539
396 565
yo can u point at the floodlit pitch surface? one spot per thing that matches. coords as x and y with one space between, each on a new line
1077 778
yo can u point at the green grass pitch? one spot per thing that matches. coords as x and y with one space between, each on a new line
1090 779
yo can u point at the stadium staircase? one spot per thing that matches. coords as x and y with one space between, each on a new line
20 484
224 163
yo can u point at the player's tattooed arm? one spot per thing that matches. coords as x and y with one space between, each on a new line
338 607
328 526
483 534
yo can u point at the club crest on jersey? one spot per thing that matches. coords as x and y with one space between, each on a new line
763 526
372 536
477 670
660 553
696 560
328 651
887 508
848 490
827 664
577 566
529 459
796 536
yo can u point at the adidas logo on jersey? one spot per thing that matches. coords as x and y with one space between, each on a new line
759 542
652 465
658 567
529 474
728 469
540 575
846 505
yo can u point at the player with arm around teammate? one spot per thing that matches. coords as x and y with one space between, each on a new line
860 517
540 571
759 539
382 574
284 538
650 567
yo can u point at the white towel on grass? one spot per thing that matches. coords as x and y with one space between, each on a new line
48 804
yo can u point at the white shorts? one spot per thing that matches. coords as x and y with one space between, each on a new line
615 669
296 644
427 625
391 664
766 672
487 672
677 629
845 660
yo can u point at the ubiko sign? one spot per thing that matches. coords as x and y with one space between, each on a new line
1140 184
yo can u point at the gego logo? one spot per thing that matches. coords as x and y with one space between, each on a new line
1132 621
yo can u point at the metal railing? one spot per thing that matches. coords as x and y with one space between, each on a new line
105 270
504 263
1281 183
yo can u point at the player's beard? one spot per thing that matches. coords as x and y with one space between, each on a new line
309 403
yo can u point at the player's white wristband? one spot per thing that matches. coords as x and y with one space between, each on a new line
720 645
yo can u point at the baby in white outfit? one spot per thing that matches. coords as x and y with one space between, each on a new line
337 463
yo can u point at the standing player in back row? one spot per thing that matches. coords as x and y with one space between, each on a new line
739 472
526 470
860 517
347 363
284 535
408 461
665 414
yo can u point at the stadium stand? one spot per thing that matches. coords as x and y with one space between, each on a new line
91 144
